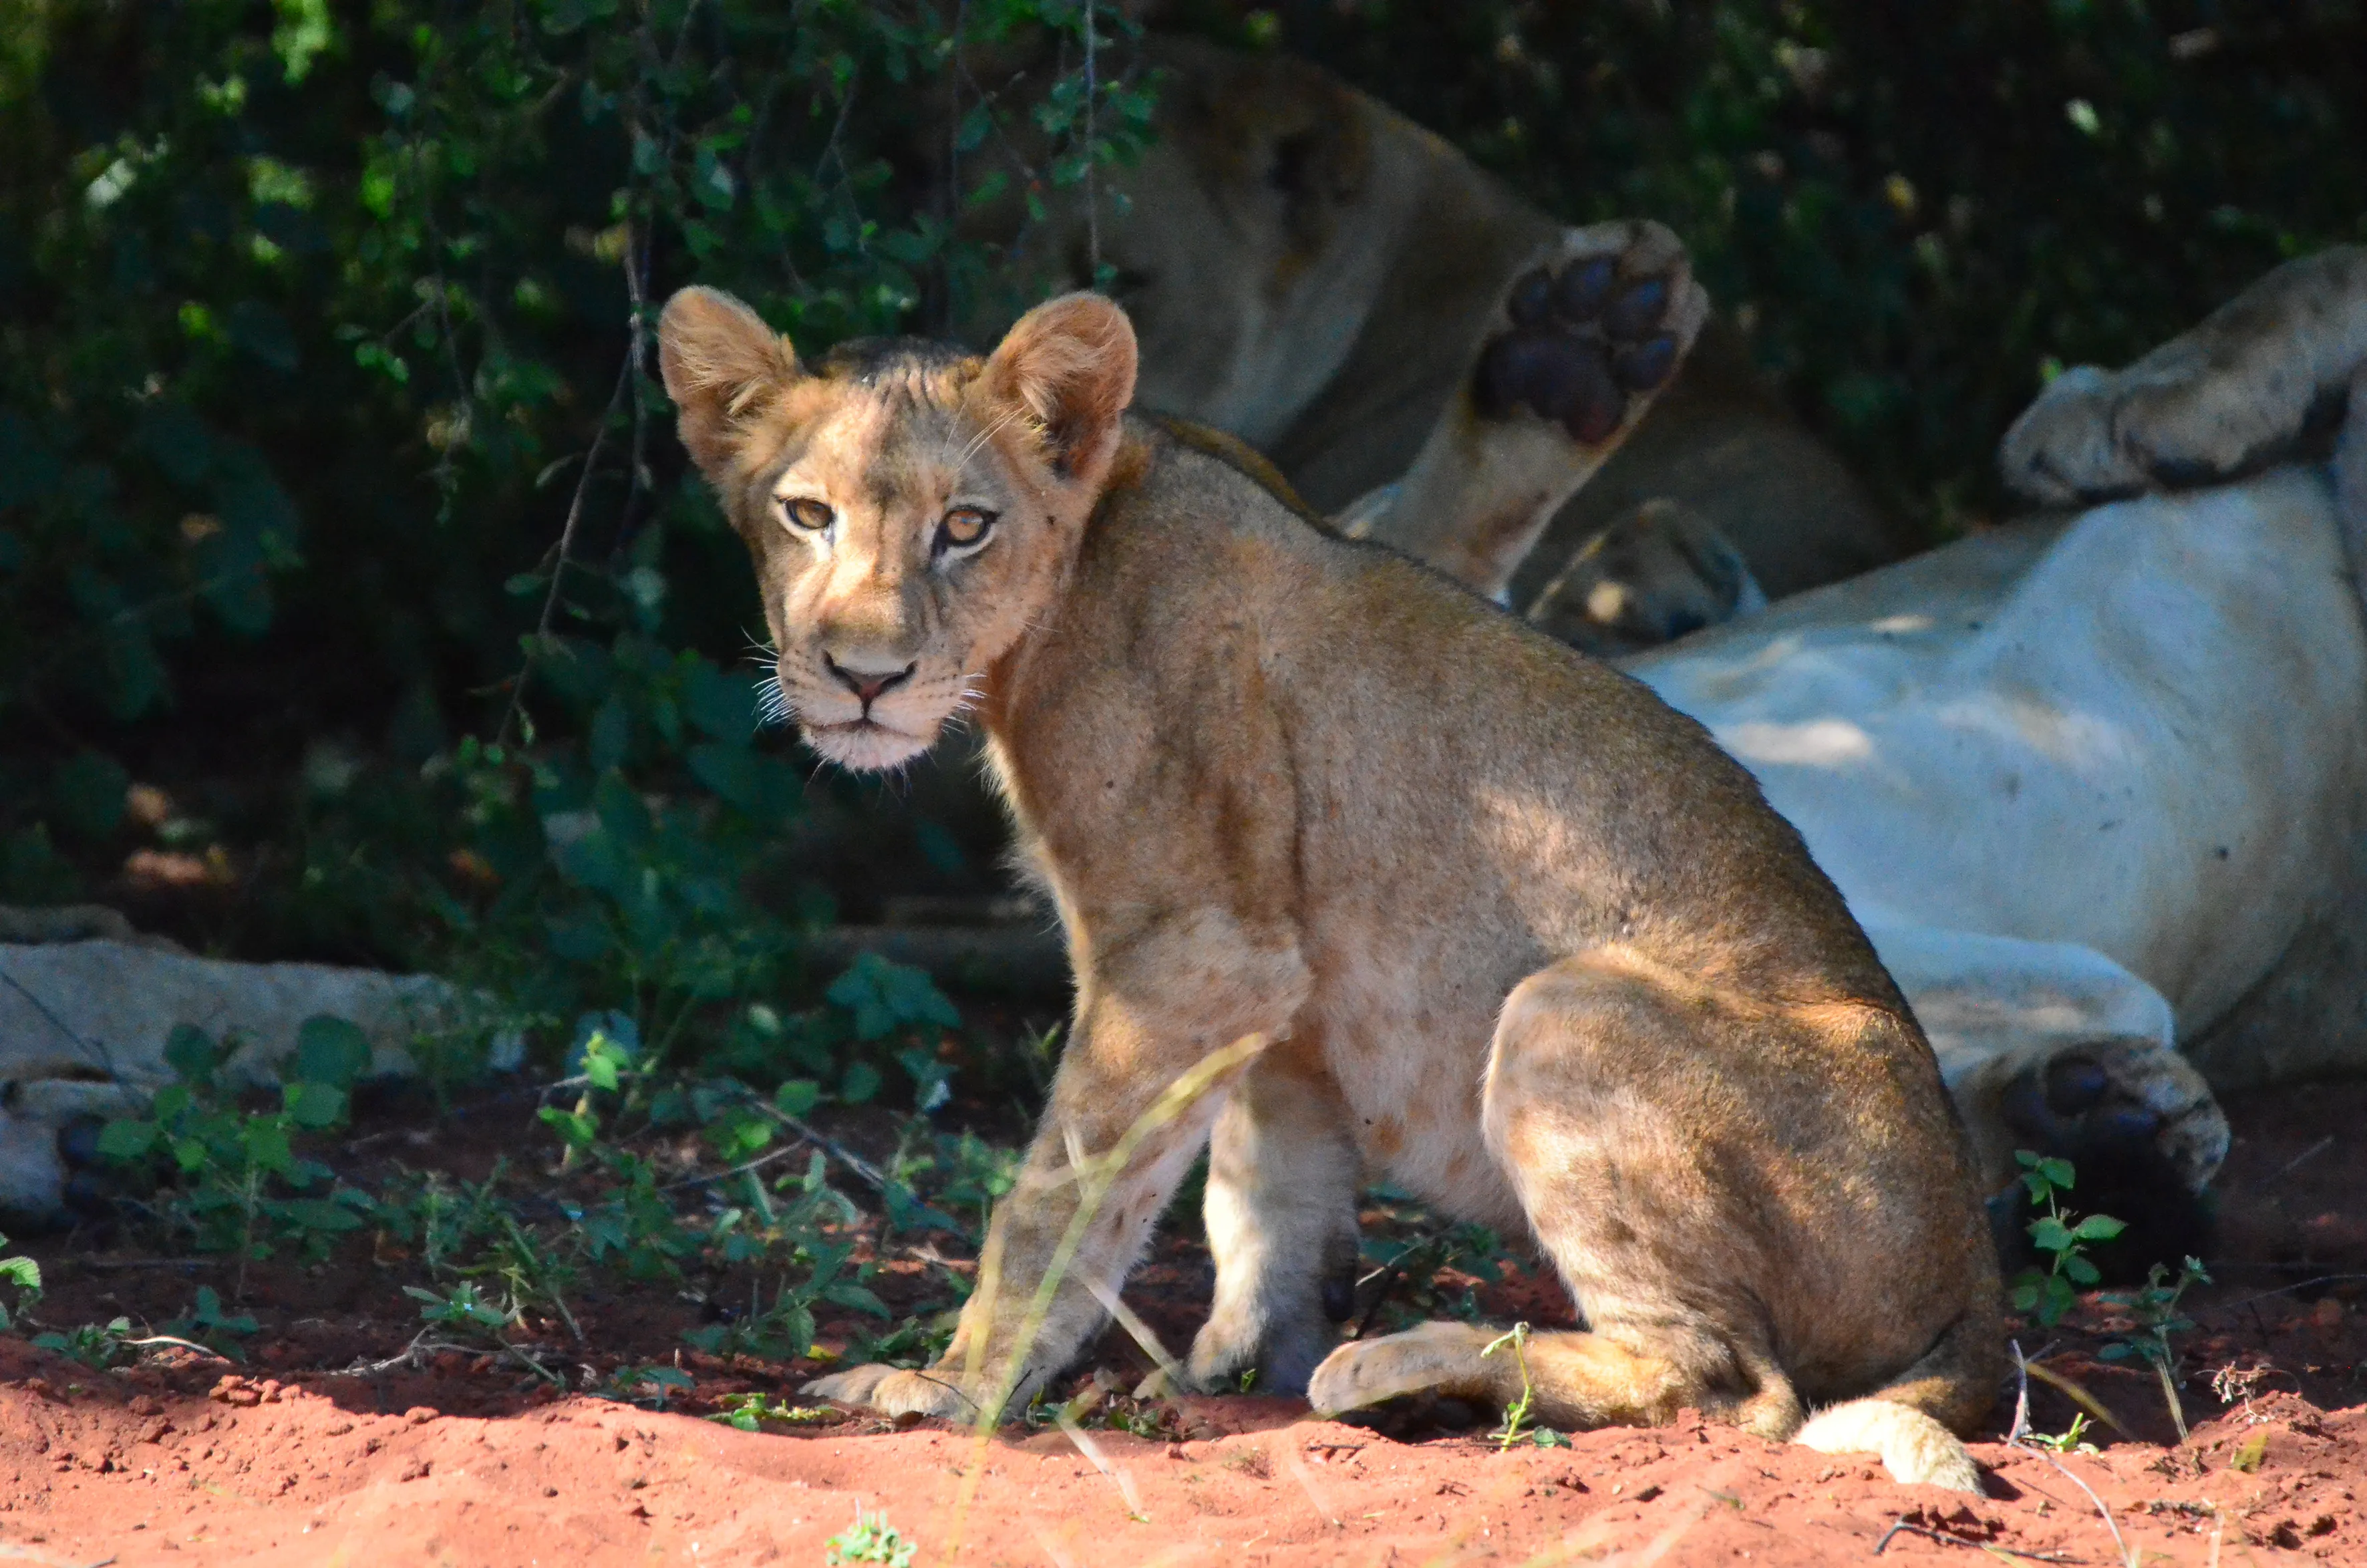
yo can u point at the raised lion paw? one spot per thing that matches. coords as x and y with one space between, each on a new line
2241 389
893 1391
1584 340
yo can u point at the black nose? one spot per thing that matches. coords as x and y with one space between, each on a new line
868 687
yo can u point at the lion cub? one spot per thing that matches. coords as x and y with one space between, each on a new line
1520 936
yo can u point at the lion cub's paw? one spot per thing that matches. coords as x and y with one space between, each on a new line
892 1391
1443 1357
1585 339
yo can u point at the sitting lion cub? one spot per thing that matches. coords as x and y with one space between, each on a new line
1521 935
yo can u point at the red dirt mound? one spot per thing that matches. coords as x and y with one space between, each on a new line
170 1461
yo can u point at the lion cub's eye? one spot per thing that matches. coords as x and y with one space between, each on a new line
963 526
804 512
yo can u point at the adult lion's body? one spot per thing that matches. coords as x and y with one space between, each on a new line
1518 934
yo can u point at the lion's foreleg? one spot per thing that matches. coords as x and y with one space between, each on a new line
1281 1222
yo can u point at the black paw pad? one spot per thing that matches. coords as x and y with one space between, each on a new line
1641 367
2069 1108
1582 342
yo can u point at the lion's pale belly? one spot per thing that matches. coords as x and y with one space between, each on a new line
1409 1064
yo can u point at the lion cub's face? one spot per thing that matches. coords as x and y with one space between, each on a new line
910 509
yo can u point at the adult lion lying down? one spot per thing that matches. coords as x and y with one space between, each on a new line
1416 888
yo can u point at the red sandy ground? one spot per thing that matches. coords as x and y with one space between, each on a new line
168 1462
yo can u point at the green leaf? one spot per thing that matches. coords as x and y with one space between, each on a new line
796 1096
578 1129
604 1059
314 1106
266 1146
2099 1228
319 1214
332 1051
861 1081
21 1272
192 1054
126 1140
2080 1270
2050 1234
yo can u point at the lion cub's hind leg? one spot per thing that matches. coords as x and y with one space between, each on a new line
1691 1209
1281 1211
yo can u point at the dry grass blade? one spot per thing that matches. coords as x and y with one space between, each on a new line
1095 1178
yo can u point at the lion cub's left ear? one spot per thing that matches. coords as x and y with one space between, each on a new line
718 359
1069 364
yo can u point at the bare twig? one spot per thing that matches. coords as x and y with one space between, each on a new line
1901 1526
2295 1163
2021 1430
206 1350
1092 206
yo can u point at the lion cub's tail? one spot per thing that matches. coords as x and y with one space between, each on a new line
1906 1423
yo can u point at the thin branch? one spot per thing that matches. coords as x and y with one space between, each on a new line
625 375
1092 205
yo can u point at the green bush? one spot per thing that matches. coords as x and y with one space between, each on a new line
336 499
336 496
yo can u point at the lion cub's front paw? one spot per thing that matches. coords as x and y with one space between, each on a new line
1441 1357
1586 339
892 1391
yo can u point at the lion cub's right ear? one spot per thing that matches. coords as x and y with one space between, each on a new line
717 357
1068 366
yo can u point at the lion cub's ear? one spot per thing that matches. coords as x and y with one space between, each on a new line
1069 364
718 356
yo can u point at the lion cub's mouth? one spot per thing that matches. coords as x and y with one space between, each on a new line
866 744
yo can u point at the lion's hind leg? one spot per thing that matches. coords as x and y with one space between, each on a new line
2239 389
1576 350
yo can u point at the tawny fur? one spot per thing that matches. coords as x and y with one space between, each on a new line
1523 938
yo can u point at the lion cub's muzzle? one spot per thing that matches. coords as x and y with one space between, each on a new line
866 714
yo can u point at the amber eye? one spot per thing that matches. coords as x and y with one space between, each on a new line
804 512
963 526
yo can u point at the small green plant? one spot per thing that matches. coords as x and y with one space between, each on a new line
241 1187
1516 1414
749 1410
26 1276
463 1306
2072 1440
2154 1306
213 1326
871 1538
98 1346
649 1387
2060 1234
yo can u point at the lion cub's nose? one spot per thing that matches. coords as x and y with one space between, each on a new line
867 685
